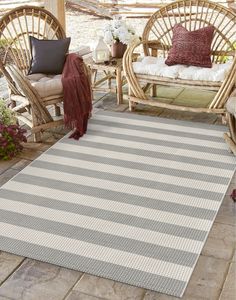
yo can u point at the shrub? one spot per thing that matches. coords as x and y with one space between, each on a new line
7 116
11 135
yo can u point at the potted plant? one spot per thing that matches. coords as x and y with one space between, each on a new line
11 134
118 35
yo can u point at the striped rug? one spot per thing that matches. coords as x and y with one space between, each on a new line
133 200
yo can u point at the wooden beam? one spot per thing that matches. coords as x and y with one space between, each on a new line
57 8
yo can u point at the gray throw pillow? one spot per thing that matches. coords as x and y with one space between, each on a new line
48 56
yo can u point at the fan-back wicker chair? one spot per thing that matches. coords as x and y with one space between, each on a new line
156 41
15 28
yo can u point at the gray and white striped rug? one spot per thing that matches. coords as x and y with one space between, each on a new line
133 200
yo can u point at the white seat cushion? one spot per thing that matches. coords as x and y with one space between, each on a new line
46 85
157 67
51 85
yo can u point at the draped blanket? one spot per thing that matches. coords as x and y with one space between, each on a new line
77 95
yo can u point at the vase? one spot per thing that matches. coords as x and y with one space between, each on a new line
118 49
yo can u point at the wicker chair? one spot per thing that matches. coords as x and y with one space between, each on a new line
15 28
156 41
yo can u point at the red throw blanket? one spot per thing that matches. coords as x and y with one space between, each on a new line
77 95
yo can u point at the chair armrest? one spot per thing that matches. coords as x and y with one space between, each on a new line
30 93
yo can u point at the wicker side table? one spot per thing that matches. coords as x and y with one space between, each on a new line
111 70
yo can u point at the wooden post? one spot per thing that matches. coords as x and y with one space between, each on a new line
57 7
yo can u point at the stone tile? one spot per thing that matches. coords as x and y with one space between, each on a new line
169 92
99 95
207 278
225 232
157 296
231 187
229 289
7 164
221 241
74 295
226 213
194 98
35 280
20 165
188 116
108 102
108 289
234 257
217 248
147 110
8 263
30 154
37 146
7 175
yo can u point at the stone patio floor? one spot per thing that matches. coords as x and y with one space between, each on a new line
214 276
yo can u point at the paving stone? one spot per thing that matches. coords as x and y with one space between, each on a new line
188 116
234 257
98 95
7 164
225 232
194 98
148 110
74 295
226 213
221 241
108 102
108 289
37 146
231 187
35 280
229 289
7 175
20 165
30 154
169 92
207 278
157 296
217 248
8 263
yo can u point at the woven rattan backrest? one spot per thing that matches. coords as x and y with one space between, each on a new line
15 28
193 15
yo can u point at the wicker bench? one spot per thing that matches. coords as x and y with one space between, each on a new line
156 41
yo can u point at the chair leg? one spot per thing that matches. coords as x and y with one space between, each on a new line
154 90
57 110
131 106
37 137
131 103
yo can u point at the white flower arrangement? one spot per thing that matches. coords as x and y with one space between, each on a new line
118 30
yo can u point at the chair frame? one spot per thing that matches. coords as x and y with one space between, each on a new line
15 28
230 137
193 14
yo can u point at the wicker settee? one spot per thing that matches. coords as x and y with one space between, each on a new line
156 41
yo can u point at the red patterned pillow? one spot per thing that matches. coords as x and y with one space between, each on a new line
192 48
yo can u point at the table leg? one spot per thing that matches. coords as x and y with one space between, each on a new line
119 86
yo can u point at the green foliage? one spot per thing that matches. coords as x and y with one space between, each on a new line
7 116
5 42
226 58
11 138
11 135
